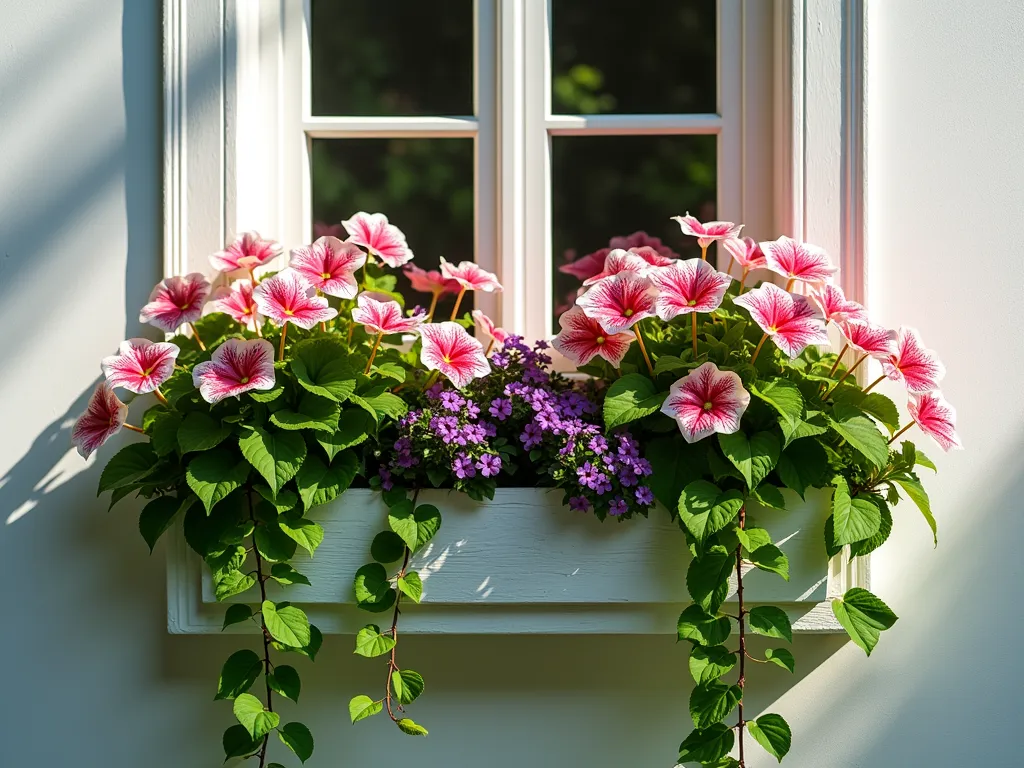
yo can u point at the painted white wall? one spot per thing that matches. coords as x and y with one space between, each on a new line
92 678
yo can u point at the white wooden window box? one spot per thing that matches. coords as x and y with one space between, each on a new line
522 563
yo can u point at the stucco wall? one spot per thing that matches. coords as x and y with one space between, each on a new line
91 676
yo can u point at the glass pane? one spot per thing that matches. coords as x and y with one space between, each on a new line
606 187
392 57
424 186
648 57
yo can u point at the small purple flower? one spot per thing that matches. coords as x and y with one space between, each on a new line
604 485
385 479
627 478
598 444
500 408
644 496
579 504
452 401
463 467
628 447
500 359
617 507
531 436
540 344
535 376
434 390
445 427
472 409
489 464
490 430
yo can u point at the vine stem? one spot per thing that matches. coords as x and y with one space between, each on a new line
743 637
263 625
392 662
640 341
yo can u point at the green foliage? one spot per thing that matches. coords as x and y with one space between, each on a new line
286 624
252 715
707 578
238 674
711 703
362 707
709 664
863 616
702 628
276 455
705 510
407 685
298 739
630 398
772 733
213 475
708 745
770 621
754 457
782 657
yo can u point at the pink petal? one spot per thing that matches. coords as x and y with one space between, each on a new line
248 251
104 416
470 276
707 232
582 339
176 301
486 326
745 251
800 261
448 348
618 261
383 316
288 297
868 338
689 286
835 306
620 301
587 266
789 319
238 302
935 417
707 401
140 366
912 364
330 266
237 366
373 232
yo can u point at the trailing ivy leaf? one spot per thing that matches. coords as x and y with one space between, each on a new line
629 398
298 739
370 642
867 546
313 412
784 396
428 523
830 538
354 427
163 432
127 466
256 720
362 707
781 657
157 516
387 547
854 519
772 732
236 614
323 366
407 685
674 465
403 523
387 404
238 674
807 428
770 621
769 557
200 432
371 583
707 745
710 704
919 496
863 616
707 578
276 455
283 573
238 743
752 539
861 433
709 664
305 533
212 475
702 628
768 495
319 483
705 509
286 623
408 726
310 650
882 408
285 680
283 501
803 465
754 458
411 586
273 544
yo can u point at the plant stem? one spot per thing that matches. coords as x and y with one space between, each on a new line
263 625
789 283
874 383
732 261
704 252
373 352
693 332
758 350
433 306
323 327
160 396
643 349
743 637
133 428
392 663
839 359
458 300
489 347
431 379
893 438
280 347
199 339
743 280
849 370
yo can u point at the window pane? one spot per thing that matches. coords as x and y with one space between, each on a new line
614 186
647 57
425 186
392 57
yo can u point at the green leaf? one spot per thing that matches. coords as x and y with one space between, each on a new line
428 523
163 432
705 509
784 396
362 707
674 465
387 547
863 616
354 426
754 458
781 657
772 733
283 501
127 466
319 483
273 544
286 624
407 685
710 704
411 728
283 573
861 433
882 408
629 398
702 628
267 395
371 584
157 516
323 366
768 495
802 429
285 680
256 720
668 364
236 614
386 404
238 674
707 578
770 621
923 461
231 583
769 557
298 739
411 586
867 546
277 456
238 743
709 664
707 745
314 412
391 370
803 465
214 474
752 539
310 649
854 519
403 523
919 496
370 642
200 432
305 533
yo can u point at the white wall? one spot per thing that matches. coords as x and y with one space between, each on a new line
92 678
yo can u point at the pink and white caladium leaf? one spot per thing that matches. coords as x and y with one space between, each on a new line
429 281
790 320
330 266
485 325
835 306
912 364
868 338
247 252
288 297
237 366
618 261
798 261
140 365
384 317
381 238
746 251
689 286
448 348
620 301
104 416
581 339
470 276
237 301
707 401
709 231
935 417
176 301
